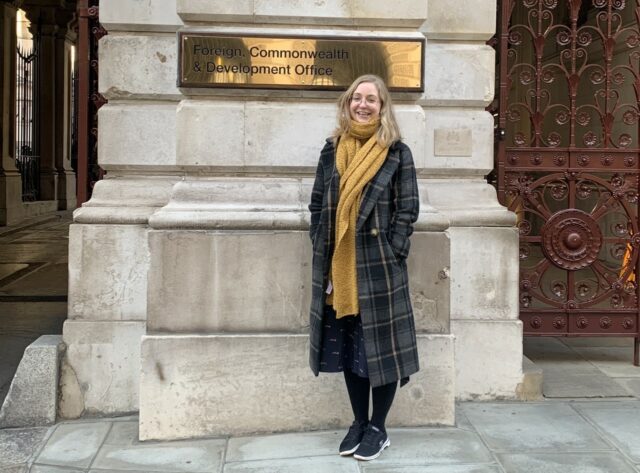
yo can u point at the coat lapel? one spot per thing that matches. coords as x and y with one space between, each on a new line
373 189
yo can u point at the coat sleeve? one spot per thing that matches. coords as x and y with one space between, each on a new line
317 195
406 204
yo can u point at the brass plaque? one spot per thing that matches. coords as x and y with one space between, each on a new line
297 62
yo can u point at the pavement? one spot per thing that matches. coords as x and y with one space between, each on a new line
33 286
506 437
588 422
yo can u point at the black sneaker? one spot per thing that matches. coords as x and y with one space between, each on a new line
351 441
372 444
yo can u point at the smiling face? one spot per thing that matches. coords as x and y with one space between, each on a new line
365 103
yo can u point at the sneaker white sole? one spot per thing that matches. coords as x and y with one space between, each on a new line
376 455
346 453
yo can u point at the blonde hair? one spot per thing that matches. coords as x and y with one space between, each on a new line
389 132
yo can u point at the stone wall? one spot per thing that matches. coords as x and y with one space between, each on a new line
197 238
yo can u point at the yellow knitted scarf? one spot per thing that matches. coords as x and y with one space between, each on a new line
358 159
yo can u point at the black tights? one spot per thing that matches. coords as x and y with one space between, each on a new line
359 388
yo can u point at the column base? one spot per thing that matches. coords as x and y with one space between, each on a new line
214 385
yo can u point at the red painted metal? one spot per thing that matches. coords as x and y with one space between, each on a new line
568 161
89 99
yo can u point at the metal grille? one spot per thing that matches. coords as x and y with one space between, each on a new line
89 99
27 118
568 161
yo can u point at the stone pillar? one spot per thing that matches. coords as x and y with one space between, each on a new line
11 210
57 180
66 177
484 241
108 244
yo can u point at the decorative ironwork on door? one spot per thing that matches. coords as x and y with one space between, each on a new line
568 161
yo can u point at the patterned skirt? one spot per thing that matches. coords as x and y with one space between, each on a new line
342 344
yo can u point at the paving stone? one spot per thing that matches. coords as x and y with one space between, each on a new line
598 341
462 422
7 269
333 464
48 280
432 469
15 469
586 381
533 427
632 385
434 446
123 433
54 469
616 362
74 444
18 446
267 447
185 456
620 422
548 348
565 463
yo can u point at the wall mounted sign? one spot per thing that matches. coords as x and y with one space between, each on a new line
297 62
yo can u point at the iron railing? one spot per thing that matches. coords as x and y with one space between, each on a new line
27 152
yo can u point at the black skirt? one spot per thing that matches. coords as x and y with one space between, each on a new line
342 344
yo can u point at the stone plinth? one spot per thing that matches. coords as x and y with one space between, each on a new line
203 385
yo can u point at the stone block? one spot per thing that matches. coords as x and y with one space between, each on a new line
108 267
428 265
101 368
284 134
229 281
215 10
210 133
32 399
325 12
140 15
139 66
137 135
247 281
259 134
458 142
465 20
459 74
485 369
199 385
484 273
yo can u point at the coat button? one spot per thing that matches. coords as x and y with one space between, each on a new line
374 232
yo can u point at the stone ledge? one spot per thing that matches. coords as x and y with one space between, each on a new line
32 399
276 203
194 386
127 201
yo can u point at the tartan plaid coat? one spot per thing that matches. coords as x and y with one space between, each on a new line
388 209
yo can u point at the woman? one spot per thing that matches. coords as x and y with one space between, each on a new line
363 204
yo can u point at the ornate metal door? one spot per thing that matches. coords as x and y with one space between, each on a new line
568 161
